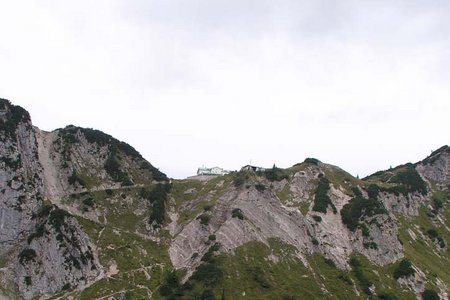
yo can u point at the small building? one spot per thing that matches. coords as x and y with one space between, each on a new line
212 171
253 168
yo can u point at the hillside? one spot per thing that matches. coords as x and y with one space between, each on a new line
85 216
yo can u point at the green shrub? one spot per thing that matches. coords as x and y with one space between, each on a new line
171 285
27 255
260 187
112 167
345 278
410 180
88 202
433 234
275 174
315 241
430 295
158 198
27 280
237 213
212 237
317 218
240 178
329 262
208 274
204 219
404 269
321 198
353 212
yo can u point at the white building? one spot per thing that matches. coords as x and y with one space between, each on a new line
212 171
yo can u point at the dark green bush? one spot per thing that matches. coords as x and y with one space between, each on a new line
404 269
317 218
27 255
275 174
430 295
158 198
237 213
27 280
329 262
359 207
88 202
171 285
260 187
240 178
112 167
345 278
321 198
74 178
208 274
204 219
410 180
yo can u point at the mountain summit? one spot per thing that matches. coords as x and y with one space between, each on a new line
85 216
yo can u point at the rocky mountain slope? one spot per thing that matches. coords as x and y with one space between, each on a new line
84 216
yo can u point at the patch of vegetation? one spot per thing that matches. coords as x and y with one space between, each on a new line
404 269
434 235
275 174
27 280
74 178
321 198
317 218
27 255
387 296
409 181
352 213
360 276
430 295
260 187
257 274
240 178
112 167
158 198
204 219
171 286
237 213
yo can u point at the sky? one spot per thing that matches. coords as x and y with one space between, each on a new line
359 84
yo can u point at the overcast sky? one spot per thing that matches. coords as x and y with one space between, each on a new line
359 84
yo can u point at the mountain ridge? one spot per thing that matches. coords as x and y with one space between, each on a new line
80 203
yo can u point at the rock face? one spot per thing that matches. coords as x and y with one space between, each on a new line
46 248
84 215
265 217
436 167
